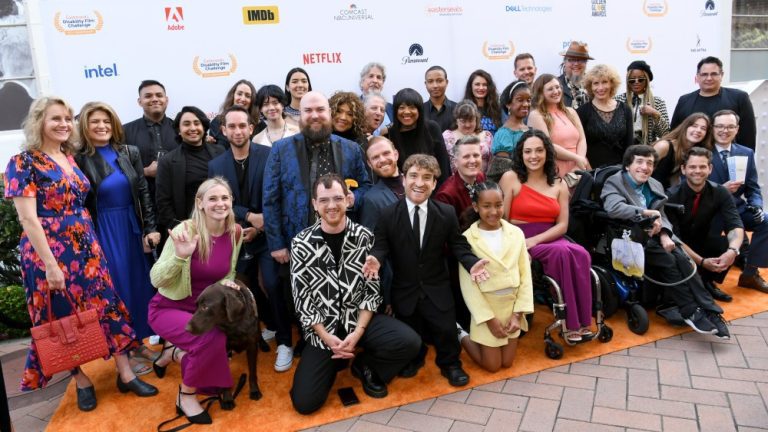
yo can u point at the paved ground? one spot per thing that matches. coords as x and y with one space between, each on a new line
684 383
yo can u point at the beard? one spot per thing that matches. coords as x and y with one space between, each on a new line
317 136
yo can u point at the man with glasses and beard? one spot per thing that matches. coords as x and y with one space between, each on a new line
574 64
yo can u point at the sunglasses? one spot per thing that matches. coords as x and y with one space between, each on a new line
636 80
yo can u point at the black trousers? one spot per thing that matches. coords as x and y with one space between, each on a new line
440 325
670 267
388 345
711 247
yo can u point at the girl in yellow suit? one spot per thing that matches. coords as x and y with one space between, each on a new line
497 305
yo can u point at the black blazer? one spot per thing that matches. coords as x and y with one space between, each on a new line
728 98
97 169
424 271
173 206
715 204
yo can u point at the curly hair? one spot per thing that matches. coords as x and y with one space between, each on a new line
33 124
550 167
491 106
601 71
118 136
355 105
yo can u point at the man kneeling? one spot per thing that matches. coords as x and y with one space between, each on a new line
335 305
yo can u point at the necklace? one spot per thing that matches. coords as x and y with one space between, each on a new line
269 138
242 162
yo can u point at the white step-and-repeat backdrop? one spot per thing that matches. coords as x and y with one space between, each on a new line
101 50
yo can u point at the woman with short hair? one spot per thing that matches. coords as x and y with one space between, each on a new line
467 123
271 102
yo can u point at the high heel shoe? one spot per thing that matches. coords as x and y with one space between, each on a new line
160 370
202 418
137 386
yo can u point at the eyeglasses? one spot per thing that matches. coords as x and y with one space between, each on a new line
709 75
575 60
729 128
636 80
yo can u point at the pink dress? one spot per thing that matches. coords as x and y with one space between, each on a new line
565 134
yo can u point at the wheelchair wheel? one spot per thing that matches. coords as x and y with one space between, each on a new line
637 319
606 334
553 350
608 295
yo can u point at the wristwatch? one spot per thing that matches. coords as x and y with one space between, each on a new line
736 251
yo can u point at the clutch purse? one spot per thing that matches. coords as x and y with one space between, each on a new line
70 341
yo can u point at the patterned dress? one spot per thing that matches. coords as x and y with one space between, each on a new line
69 231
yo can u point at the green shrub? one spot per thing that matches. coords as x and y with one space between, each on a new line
10 232
14 317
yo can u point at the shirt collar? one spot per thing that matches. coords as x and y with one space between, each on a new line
411 205
721 148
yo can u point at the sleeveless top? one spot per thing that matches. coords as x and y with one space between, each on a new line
532 206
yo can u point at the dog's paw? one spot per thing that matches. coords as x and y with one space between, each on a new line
255 394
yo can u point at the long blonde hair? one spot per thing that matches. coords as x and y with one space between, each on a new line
33 124
198 218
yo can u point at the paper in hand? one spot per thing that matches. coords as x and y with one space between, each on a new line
737 168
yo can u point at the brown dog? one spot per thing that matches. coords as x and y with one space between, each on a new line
234 312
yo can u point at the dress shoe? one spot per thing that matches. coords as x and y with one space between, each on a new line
716 292
202 418
373 386
456 375
136 385
86 398
754 281
411 369
160 370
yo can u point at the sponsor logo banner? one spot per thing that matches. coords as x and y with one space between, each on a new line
215 66
353 13
598 8
710 9
528 8
655 8
100 71
174 17
71 25
699 48
321 57
499 51
415 53
260 15
444 10
639 45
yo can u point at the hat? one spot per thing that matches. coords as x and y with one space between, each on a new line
641 65
577 50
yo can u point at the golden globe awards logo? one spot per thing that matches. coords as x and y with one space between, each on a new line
639 45
72 25
498 51
655 8
214 67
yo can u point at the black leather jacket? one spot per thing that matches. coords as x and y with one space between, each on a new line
129 161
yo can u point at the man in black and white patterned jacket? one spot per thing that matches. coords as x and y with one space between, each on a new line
336 305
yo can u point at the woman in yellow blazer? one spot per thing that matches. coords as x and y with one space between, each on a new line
497 305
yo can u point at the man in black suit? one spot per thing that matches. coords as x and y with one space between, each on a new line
706 201
421 291
243 167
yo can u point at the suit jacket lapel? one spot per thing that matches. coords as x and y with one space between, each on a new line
338 156
720 168
302 160
228 169
405 221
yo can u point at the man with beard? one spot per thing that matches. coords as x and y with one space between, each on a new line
243 167
295 163
574 63
438 108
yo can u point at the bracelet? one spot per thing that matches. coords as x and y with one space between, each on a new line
701 263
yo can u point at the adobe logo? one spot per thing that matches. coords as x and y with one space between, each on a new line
174 16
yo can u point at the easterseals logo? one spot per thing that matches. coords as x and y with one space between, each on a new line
215 66
639 45
699 48
655 8
444 10
81 24
174 18
498 51
710 9
353 13
598 8
415 53
261 15
321 57
525 8
100 71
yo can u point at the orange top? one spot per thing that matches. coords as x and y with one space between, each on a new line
532 206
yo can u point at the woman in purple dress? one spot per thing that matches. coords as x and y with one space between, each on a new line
200 251
59 249
537 202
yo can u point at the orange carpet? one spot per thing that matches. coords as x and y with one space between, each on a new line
118 412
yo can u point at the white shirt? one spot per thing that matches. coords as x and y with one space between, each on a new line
422 216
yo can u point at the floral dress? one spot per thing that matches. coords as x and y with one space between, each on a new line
71 237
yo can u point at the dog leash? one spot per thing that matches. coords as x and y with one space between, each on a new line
207 402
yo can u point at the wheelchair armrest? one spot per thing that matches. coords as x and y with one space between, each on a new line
677 208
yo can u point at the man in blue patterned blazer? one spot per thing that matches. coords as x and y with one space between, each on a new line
336 305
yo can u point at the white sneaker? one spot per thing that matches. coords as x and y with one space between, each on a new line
460 332
268 334
284 359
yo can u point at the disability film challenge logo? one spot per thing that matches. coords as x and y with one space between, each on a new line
444 11
174 18
498 51
353 13
415 55
710 9
261 15
210 67
639 45
78 24
598 8
655 8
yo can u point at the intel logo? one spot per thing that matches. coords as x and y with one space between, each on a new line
100 71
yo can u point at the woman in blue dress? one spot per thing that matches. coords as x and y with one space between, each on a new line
120 205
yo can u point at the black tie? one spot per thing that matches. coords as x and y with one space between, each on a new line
417 225
724 155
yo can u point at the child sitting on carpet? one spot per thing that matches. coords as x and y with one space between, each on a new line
497 305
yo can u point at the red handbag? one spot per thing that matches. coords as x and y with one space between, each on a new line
68 342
